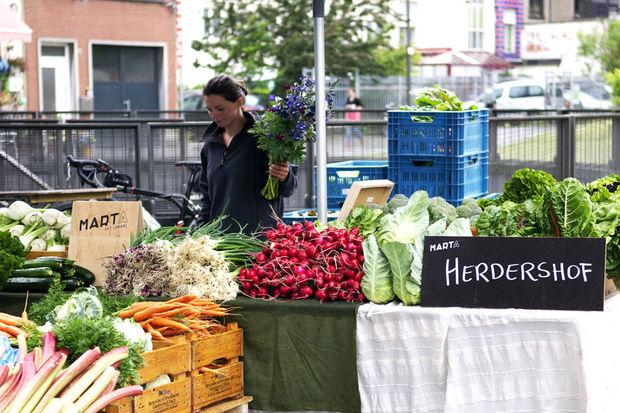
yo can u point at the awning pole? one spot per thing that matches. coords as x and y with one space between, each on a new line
319 75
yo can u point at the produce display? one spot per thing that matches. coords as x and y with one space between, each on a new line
300 261
534 204
186 314
394 244
38 229
37 382
38 275
172 262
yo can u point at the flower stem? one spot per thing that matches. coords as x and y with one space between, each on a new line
270 190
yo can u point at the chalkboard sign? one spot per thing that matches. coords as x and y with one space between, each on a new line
496 272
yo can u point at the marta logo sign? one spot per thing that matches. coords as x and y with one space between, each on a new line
444 246
108 221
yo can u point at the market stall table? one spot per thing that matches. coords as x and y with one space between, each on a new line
59 195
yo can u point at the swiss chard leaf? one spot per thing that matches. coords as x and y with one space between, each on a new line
570 210
400 257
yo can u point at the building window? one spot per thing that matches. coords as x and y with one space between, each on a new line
475 24
510 31
588 9
536 10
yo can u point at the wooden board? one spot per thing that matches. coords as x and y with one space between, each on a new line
58 195
228 345
365 193
227 406
170 398
610 288
174 359
100 230
36 254
220 384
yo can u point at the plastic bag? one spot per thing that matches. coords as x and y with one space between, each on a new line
85 304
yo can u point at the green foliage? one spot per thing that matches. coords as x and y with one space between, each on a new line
366 219
436 98
613 78
602 46
12 256
55 296
112 304
249 42
570 210
527 183
469 209
79 334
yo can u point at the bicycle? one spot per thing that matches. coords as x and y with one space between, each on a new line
89 172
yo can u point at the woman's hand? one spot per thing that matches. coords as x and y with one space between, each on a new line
279 171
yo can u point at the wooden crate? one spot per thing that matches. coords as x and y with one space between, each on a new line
610 288
217 385
170 358
229 406
227 345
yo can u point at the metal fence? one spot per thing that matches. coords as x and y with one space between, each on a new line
33 153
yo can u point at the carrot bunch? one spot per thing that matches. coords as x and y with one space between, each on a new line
10 325
183 315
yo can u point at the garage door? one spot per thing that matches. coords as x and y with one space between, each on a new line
126 78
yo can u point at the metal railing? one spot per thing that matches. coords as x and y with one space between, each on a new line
32 153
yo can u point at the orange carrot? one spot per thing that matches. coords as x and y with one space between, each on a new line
15 331
154 333
183 299
9 319
170 313
149 311
165 322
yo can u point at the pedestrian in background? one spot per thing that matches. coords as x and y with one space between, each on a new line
352 111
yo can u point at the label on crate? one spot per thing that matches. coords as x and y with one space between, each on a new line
499 272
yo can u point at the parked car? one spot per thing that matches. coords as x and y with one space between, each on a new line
521 94
192 100
589 95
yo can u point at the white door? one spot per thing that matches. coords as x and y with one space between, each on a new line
55 66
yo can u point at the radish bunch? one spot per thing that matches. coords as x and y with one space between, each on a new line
298 261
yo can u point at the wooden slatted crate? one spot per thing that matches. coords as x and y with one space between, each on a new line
217 373
170 358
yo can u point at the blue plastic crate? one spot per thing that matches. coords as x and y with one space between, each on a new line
307 215
438 133
452 178
341 175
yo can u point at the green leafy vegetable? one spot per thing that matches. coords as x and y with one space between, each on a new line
439 208
366 219
527 183
608 183
570 210
407 222
12 256
55 296
469 209
400 258
436 99
79 334
377 280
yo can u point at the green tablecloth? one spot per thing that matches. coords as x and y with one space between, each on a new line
299 355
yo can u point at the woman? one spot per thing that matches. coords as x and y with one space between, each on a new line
234 170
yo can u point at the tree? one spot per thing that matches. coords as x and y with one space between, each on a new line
602 46
253 38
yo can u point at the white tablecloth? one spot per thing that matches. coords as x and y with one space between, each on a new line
414 359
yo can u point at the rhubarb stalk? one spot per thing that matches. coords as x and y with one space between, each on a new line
78 387
114 396
71 372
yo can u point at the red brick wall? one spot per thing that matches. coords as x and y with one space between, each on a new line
107 20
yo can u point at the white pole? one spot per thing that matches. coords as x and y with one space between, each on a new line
319 76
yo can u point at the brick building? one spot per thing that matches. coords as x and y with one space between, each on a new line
122 53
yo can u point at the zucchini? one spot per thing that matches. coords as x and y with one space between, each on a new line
85 274
36 263
67 272
39 272
72 283
23 284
